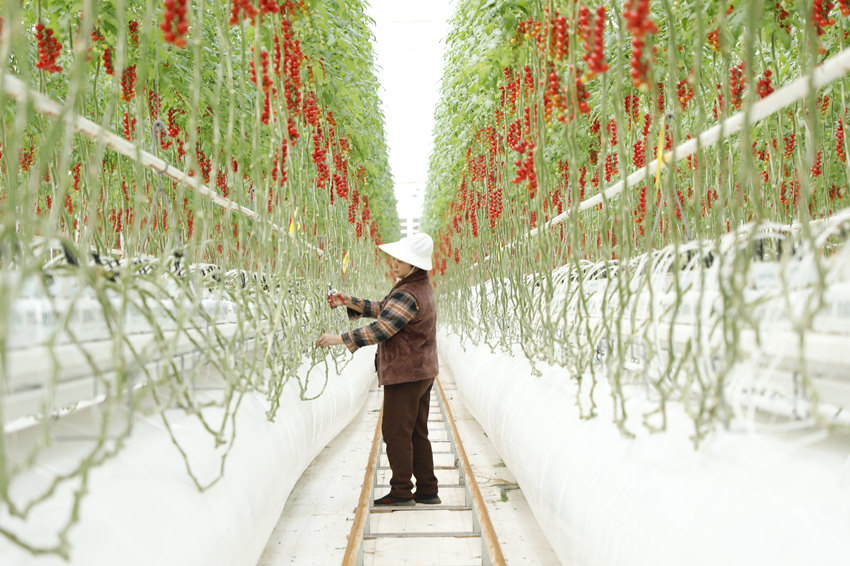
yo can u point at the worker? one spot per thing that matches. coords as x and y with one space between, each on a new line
405 331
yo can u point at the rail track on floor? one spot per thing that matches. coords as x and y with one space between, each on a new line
457 531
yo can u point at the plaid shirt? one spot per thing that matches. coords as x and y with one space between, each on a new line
392 314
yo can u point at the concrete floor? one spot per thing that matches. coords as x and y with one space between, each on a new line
316 521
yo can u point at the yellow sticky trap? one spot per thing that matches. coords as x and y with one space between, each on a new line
344 262
291 226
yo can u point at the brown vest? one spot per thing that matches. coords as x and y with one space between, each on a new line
411 354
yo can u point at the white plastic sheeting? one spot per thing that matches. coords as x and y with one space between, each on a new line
603 498
143 508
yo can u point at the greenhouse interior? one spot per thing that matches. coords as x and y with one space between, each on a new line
576 270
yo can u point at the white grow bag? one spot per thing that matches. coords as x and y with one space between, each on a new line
143 509
607 500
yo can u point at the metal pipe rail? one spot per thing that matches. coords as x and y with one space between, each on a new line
458 530
18 90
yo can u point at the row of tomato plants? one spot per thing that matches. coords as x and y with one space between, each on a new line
253 101
570 97
545 105
258 102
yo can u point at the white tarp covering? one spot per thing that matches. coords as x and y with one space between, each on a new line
604 499
143 509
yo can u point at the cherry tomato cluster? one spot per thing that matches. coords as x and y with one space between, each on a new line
128 83
594 38
684 92
511 88
264 62
822 104
713 38
311 110
528 78
443 251
495 202
817 167
693 162
557 200
133 27
530 29
173 126
839 142
48 49
115 219
760 154
526 120
639 24
204 163
291 130
632 108
352 206
789 145
640 210
582 96
611 130
319 158
710 197
221 183
279 164
477 168
340 177
560 41
107 61
175 23
737 84
782 17
367 212
680 200
552 98
26 157
154 105
242 9
639 153
525 171
820 15
611 169
763 85
125 191
647 123
129 126
292 58
794 189
514 137
265 84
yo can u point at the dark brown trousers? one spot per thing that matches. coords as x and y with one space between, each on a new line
405 431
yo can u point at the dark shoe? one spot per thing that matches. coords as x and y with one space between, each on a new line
427 499
390 500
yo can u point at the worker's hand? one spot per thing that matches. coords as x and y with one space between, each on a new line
326 340
338 299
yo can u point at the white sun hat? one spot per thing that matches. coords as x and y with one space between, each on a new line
415 250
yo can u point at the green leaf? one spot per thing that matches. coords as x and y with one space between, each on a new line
783 37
